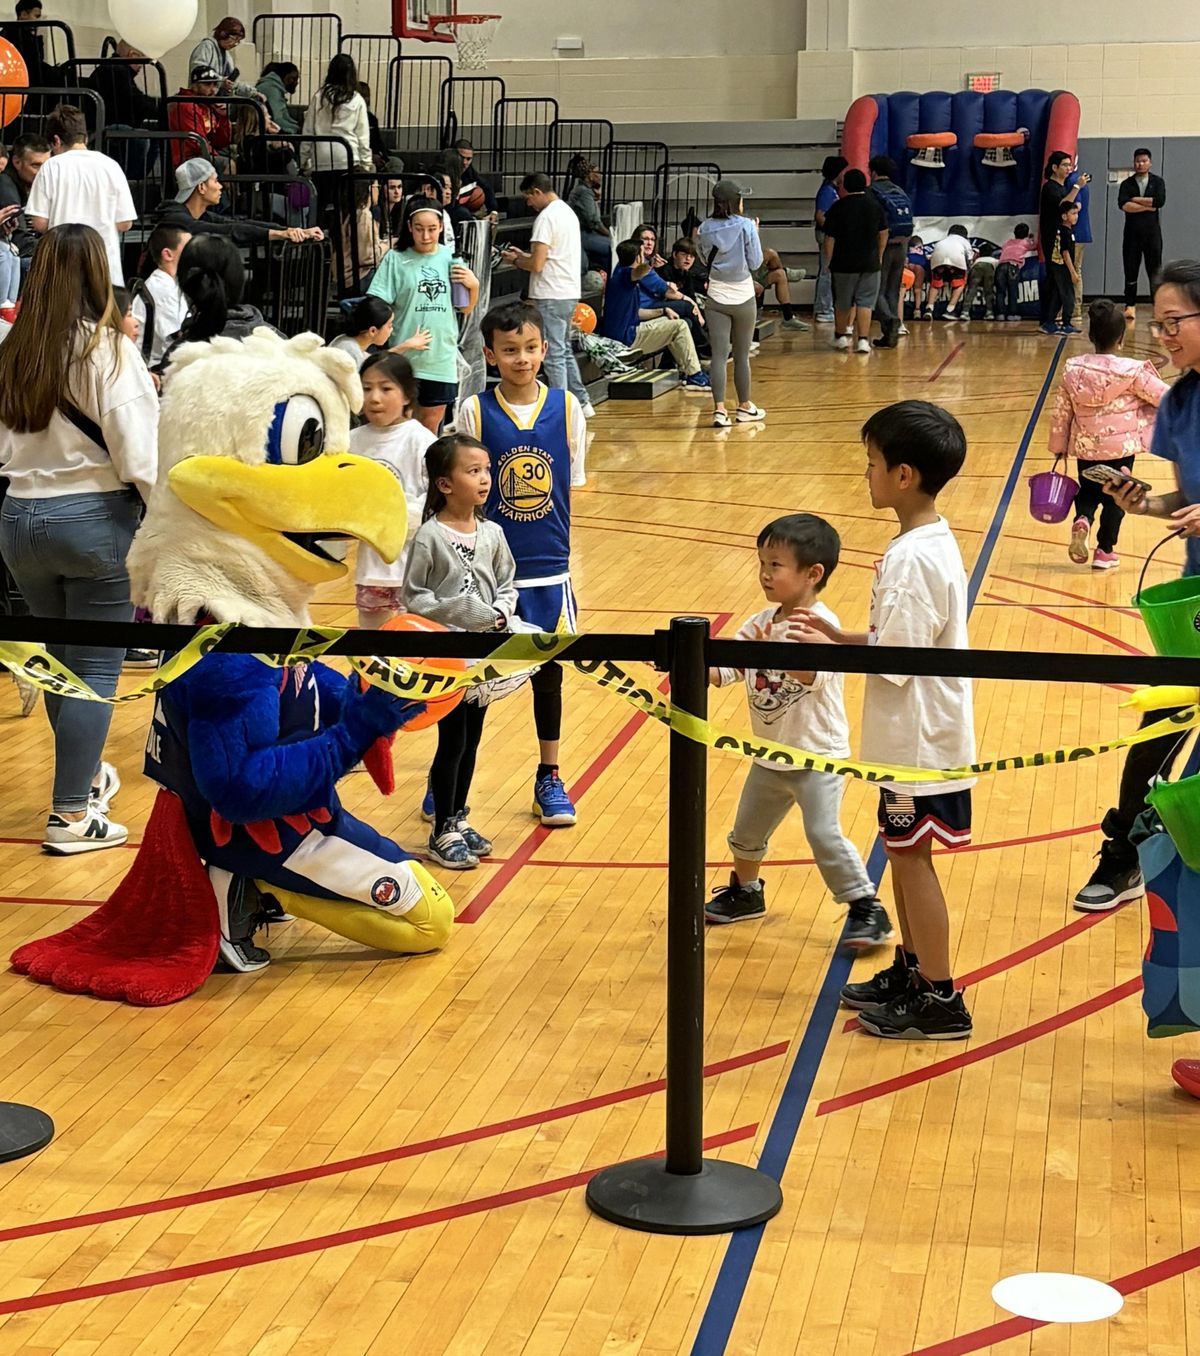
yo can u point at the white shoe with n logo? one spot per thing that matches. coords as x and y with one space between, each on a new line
65 837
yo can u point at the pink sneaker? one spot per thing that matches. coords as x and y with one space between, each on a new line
1078 548
1105 560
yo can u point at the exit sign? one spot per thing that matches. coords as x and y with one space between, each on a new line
983 82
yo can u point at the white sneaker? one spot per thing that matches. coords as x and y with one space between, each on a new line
66 837
589 411
863 346
104 789
842 343
902 331
751 416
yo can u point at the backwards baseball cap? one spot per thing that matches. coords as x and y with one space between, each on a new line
201 74
730 192
190 175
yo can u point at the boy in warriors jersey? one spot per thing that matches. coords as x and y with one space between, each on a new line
535 436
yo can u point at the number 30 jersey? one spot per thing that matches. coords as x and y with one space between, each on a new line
530 447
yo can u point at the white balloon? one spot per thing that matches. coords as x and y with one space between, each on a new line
153 26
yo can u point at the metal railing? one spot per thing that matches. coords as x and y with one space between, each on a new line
413 126
38 100
683 195
373 55
468 108
634 171
570 137
311 41
520 139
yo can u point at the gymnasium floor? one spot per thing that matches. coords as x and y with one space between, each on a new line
349 1154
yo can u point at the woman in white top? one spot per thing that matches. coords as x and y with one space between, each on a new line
79 445
337 110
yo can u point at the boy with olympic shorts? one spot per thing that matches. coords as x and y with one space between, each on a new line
914 449
796 556
537 438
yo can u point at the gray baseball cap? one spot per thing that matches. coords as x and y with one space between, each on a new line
730 191
190 175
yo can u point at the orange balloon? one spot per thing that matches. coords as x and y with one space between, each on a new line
13 75
435 707
585 318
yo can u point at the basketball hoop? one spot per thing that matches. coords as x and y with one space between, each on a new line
472 35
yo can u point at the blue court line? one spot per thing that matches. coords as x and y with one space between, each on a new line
712 1339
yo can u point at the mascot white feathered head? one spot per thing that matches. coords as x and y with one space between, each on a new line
254 473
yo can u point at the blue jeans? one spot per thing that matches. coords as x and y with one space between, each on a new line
67 557
823 305
562 371
1008 288
10 273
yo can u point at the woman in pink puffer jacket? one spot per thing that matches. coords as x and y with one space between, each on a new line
1103 413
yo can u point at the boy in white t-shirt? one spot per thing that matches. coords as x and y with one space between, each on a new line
555 267
796 556
170 305
919 599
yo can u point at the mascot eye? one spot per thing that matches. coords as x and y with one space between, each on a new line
297 432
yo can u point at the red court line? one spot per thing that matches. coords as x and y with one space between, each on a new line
579 788
1039 947
256 1257
414 1150
1157 1272
985 1051
1063 593
946 361
1076 625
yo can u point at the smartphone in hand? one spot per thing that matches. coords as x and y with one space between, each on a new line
1109 475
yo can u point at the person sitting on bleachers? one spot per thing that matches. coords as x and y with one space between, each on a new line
584 201
200 189
126 108
469 181
217 52
29 43
623 320
277 84
29 154
211 121
684 269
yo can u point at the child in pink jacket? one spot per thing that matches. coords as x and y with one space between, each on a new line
1103 414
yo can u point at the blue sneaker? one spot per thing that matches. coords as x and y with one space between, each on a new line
450 850
1069 329
1049 329
698 381
551 803
427 811
477 844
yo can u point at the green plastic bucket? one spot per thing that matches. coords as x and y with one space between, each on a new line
1171 613
1178 806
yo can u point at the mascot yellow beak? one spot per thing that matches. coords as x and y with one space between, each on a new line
284 510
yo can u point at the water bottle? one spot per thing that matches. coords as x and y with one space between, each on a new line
460 297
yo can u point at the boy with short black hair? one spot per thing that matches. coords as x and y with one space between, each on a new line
914 449
170 305
1062 277
684 269
537 437
1013 254
796 556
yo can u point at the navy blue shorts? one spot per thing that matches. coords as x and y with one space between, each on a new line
906 820
430 394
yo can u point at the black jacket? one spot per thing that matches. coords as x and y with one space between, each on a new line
1156 191
14 193
172 213
125 105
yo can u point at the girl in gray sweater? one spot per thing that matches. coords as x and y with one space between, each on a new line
461 574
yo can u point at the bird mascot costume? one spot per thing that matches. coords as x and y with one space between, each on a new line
255 478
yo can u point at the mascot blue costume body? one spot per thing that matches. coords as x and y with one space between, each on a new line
255 475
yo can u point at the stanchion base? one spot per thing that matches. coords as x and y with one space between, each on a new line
23 1130
721 1197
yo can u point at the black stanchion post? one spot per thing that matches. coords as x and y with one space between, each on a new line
23 1131
685 1193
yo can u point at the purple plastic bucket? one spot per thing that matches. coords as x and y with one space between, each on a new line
1051 495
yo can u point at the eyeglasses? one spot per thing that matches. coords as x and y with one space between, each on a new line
1170 326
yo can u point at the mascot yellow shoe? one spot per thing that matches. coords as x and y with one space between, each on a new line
255 481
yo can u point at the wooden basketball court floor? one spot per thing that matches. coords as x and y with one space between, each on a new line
353 1154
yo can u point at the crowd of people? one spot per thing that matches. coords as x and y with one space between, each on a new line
83 359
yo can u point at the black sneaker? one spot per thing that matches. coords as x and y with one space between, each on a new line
881 988
241 956
271 913
140 659
733 902
1114 880
919 1015
867 925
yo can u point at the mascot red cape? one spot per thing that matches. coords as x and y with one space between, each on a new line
247 827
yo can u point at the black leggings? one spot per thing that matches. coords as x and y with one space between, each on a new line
1143 762
453 767
1091 496
547 701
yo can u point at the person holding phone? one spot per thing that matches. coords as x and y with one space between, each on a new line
1104 412
1055 192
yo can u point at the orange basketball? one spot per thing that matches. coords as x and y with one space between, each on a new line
13 75
435 707
585 318
473 198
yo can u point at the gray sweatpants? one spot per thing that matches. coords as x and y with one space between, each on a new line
895 256
767 797
728 324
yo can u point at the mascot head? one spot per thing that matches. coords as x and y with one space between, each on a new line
255 478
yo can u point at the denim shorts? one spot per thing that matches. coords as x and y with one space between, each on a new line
433 393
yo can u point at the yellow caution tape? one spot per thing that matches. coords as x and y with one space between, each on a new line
420 682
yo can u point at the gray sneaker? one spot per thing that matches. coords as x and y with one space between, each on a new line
477 845
450 850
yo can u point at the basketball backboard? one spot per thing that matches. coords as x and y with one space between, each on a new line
410 19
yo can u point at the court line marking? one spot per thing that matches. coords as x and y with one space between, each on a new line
493 888
986 1051
725 1300
343 1237
947 360
1105 636
416 1149
1065 593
